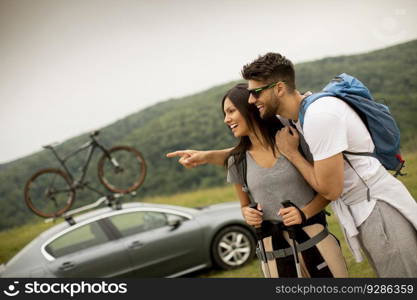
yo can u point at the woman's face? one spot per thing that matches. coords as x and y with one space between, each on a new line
234 119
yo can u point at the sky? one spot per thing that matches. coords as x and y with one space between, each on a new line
69 67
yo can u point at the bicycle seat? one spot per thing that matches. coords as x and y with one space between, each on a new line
51 146
95 133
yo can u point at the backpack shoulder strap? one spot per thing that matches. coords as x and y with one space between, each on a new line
307 101
368 192
242 169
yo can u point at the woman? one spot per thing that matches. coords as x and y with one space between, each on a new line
271 179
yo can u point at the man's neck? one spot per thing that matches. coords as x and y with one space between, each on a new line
291 106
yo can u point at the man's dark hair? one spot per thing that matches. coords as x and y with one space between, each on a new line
269 68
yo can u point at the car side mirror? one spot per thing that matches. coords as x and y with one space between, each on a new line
174 222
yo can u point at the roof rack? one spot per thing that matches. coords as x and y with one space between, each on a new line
112 201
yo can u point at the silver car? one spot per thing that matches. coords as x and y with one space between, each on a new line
139 240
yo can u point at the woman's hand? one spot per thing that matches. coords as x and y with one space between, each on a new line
252 216
190 158
194 158
290 216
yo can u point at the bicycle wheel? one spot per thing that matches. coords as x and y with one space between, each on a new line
122 169
48 193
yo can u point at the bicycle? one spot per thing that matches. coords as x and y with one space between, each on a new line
51 192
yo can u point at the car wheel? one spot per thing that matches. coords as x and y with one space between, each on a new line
232 247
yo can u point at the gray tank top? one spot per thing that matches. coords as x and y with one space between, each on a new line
271 186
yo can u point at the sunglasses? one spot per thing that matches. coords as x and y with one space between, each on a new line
256 93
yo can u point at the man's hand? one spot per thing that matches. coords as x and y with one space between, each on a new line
290 216
252 216
287 140
190 158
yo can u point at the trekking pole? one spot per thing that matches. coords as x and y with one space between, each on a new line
292 233
261 247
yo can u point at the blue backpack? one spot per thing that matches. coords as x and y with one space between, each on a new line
376 116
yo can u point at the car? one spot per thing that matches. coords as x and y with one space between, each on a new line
139 240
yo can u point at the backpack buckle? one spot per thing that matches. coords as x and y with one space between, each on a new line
398 173
400 166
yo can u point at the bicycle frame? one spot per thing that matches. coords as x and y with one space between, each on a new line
92 145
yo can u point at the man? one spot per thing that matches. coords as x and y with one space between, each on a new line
384 224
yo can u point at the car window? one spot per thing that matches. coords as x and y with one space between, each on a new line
78 239
140 221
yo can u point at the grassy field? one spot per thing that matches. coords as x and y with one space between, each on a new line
11 241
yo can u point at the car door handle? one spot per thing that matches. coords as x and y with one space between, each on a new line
67 266
135 245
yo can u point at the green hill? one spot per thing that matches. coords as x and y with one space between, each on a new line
196 122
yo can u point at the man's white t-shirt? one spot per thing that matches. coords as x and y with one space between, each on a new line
330 127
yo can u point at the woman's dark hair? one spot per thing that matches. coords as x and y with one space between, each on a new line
239 96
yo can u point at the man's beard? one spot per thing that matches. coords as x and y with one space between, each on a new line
270 108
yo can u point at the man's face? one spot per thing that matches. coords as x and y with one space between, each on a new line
266 102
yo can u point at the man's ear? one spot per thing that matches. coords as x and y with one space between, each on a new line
280 88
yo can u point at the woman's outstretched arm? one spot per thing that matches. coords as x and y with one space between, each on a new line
194 158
